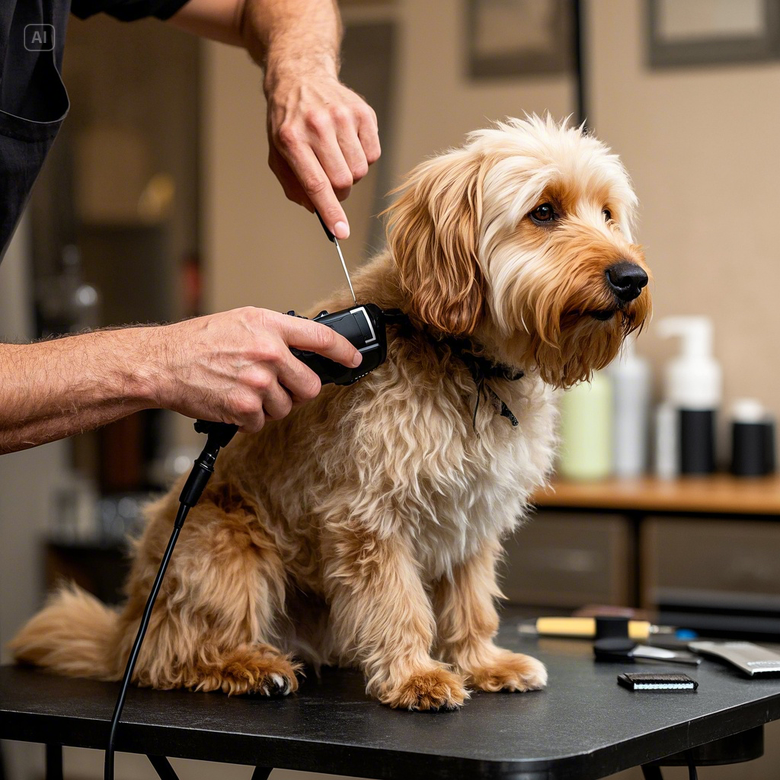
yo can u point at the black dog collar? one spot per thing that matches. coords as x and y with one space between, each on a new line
480 368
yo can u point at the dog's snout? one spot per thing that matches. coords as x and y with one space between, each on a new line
626 280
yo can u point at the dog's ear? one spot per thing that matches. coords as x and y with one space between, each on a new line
433 234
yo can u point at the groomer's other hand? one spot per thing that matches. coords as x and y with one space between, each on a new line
236 367
322 138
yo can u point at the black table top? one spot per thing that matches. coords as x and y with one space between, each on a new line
583 725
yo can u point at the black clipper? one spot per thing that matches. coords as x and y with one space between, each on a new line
364 327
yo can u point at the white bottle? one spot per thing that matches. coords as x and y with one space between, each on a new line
667 456
631 389
693 386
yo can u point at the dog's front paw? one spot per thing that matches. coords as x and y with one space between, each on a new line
253 673
271 677
509 672
435 689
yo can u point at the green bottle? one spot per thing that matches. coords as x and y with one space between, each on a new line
586 430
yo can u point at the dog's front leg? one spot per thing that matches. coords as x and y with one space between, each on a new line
467 621
382 618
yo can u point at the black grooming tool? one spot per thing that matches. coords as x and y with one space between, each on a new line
657 682
626 650
364 327
608 626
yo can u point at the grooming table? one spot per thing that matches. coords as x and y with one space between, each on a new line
583 726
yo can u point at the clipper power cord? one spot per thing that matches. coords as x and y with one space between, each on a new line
365 327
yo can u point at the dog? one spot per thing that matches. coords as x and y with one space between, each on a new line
364 528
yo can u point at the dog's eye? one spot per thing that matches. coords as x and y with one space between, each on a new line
607 215
543 213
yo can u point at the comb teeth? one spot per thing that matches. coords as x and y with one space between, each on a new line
657 682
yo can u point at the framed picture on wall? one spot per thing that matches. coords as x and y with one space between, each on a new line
519 37
708 32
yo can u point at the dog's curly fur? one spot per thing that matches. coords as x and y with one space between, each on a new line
364 528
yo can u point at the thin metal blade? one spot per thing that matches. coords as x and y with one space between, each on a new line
662 654
344 266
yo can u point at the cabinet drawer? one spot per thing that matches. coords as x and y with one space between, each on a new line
711 562
567 559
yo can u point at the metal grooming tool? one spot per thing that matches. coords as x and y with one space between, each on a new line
625 649
751 659
341 256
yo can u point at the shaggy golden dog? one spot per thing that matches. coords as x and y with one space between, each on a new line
364 528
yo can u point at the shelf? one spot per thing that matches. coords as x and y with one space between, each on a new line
720 493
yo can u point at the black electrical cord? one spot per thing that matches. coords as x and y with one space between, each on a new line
219 435
108 772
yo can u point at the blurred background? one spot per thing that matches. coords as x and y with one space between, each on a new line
157 203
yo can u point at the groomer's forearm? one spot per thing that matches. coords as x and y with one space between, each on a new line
285 35
219 20
53 389
276 33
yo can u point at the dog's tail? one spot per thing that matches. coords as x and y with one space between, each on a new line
73 635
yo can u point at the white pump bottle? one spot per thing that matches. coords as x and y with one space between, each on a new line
694 379
693 387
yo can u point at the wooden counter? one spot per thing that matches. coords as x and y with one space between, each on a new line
721 493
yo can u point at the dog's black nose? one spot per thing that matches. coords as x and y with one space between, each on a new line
626 280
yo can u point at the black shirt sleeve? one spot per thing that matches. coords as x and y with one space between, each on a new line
127 10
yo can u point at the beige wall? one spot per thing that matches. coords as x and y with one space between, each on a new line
702 147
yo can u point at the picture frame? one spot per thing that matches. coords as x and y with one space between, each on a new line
519 38
684 33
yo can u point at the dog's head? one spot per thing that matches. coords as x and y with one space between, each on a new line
521 240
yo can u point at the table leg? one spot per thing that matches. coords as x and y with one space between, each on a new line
261 773
53 762
163 768
652 772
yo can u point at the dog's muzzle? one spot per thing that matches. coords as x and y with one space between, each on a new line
626 280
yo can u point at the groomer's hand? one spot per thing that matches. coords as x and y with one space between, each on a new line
236 367
322 138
